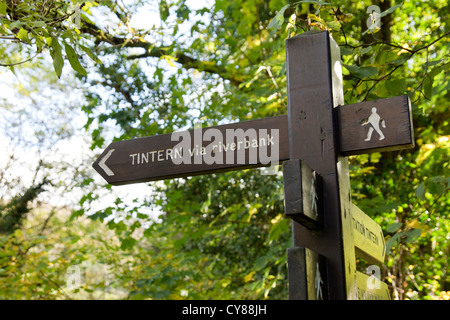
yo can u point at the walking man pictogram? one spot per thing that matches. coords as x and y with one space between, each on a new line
318 283
313 197
374 120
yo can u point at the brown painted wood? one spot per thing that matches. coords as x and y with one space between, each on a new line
394 123
398 133
302 194
151 158
314 88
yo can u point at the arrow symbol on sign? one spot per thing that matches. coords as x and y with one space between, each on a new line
103 165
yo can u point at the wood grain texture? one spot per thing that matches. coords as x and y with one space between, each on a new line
312 138
147 159
395 124
313 92
302 194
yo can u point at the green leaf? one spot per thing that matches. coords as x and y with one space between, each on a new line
412 235
361 72
163 10
365 50
278 20
390 10
392 242
3 8
169 60
397 62
39 24
346 51
260 263
39 43
128 243
23 35
334 25
420 192
436 186
15 25
90 54
394 227
73 59
396 86
429 79
428 87
56 54
436 70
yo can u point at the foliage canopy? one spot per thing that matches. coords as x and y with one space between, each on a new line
223 236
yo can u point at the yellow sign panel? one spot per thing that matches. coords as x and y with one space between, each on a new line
371 288
368 237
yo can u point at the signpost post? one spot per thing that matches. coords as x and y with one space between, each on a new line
312 141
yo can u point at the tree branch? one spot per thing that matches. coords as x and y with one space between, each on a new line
411 52
152 51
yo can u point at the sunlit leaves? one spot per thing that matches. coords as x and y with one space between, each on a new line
390 10
31 21
3 8
163 10
394 227
210 221
90 53
396 86
225 234
278 20
361 72
408 236
56 53
429 78
73 59
23 35
276 23
377 67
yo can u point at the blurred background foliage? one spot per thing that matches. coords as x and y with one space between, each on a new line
137 68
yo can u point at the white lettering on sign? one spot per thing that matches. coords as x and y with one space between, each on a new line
237 140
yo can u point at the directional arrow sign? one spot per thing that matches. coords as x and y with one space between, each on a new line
234 146
365 127
102 163
368 237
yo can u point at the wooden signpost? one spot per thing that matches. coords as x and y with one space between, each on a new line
194 152
312 141
379 125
